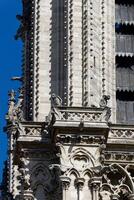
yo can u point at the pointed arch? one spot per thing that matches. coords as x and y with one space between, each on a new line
125 173
82 154
74 172
87 172
40 175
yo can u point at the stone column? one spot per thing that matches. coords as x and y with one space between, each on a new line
95 185
79 182
65 185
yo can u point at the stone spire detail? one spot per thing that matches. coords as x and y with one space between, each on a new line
64 142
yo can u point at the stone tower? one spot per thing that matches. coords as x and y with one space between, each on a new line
70 132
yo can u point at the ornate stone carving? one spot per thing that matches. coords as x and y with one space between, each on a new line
82 115
82 139
131 197
107 110
115 197
78 116
105 195
65 182
56 101
81 159
69 147
118 156
15 113
95 182
121 133
26 196
79 182
33 131
116 183
45 154
104 101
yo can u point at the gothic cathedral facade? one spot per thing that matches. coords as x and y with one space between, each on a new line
71 132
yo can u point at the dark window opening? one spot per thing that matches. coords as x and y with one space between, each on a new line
124 29
124 2
125 95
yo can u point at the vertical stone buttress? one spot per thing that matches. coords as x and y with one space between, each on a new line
46 62
75 52
42 58
108 84
91 47
72 54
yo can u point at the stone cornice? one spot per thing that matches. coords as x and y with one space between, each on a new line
120 134
87 124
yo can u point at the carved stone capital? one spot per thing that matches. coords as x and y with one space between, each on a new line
79 182
131 197
28 195
95 183
115 196
25 197
65 182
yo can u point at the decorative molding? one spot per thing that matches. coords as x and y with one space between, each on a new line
70 51
85 51
103 42
15 113
65 182
66 55
121 133
79 182
80 139
30 63
45 154
119 156
36 55
83 115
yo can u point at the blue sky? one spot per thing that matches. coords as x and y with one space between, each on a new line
10 63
